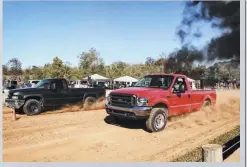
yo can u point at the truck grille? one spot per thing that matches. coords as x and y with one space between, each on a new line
10 95
122 100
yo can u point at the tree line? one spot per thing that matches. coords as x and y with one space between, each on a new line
180 61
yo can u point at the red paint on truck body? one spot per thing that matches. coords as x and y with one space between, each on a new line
189 101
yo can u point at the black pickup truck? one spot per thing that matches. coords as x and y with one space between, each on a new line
50 93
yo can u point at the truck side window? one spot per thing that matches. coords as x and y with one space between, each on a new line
64 84
181 82
185 85
53 86
59 85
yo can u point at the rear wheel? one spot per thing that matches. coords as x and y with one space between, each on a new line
157 120
32 107
206 103
90 100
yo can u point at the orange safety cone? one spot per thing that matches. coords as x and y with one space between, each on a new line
13 115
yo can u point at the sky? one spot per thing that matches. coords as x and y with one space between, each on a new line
36 32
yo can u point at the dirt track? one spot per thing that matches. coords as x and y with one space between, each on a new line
85 136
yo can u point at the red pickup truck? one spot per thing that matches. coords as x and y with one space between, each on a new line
156 97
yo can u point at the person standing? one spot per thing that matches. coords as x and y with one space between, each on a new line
89 81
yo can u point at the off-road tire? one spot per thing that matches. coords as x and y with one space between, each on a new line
155 114
90 100
32 107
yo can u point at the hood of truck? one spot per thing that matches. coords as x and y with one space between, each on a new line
140 91
24 90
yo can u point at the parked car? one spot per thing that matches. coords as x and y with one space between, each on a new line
11 84
33 82
50 92
154 98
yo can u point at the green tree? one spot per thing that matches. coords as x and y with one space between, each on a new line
27 74
67 71
15 67
5 69
118 68
57 68
90 62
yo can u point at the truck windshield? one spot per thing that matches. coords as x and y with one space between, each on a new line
155 81
42 84
35 82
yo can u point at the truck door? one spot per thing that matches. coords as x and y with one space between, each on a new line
180 101
69 96
52 96
59 92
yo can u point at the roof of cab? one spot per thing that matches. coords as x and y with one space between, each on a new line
167 74
53 79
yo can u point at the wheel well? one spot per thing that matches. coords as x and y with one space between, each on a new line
208 99
160 105
89 95
33 97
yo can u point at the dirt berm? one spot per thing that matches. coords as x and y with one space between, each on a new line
85 136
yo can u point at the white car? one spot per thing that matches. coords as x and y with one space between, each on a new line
33 82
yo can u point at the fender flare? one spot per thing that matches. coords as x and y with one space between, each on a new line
33 96
207 97
88 95
164 102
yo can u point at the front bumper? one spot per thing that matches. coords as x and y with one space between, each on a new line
134 112
13 103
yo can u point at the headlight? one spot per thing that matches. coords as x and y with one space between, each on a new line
108 98
15 97
141 101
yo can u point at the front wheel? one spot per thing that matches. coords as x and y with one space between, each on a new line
32 107
157 120
206 103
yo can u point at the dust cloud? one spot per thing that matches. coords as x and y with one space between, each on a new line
227 107
99 104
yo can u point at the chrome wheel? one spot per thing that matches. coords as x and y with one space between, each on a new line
159 121
34 108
